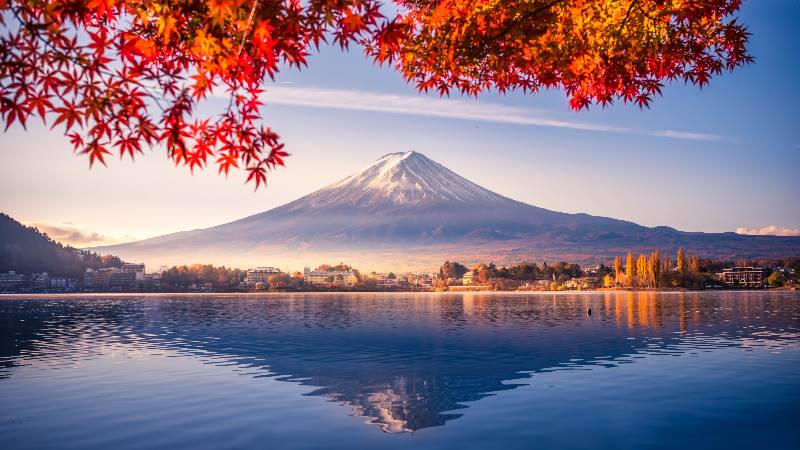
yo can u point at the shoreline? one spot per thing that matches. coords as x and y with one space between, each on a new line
362 293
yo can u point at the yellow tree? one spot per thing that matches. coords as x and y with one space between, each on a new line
654 268
681 262
641 268
617 269
629 269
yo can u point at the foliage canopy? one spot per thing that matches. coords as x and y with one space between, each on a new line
120 75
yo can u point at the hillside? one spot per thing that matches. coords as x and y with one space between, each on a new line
24 249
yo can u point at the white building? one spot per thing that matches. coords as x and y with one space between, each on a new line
387 282
468 279
58 283
330 278
260 275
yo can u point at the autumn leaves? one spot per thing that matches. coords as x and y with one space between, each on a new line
118 76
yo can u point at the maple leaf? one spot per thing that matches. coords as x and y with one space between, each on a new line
96 152
68 114
258 174
101 7
167 25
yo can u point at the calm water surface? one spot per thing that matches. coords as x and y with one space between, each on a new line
644 370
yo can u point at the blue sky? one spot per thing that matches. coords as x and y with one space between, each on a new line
716 159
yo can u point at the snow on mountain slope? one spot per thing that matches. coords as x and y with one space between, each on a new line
406 197
401 179
404 206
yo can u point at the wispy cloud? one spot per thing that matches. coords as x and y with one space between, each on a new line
771 230
76 235
430 106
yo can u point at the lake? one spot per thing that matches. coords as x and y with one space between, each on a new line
396 371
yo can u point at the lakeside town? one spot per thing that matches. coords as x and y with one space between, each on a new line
644 272
33 262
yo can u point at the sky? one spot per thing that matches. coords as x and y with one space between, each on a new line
723 158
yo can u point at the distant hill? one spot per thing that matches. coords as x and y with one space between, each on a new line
24 249
405 211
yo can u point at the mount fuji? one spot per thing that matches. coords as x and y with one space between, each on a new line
405 211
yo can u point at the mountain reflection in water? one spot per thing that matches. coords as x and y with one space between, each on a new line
404 361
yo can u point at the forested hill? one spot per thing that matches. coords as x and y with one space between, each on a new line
24 249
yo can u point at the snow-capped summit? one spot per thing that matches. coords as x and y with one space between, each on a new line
405 211
400 179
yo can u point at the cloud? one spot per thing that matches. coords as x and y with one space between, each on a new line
76 235
450 108
691 136
771 230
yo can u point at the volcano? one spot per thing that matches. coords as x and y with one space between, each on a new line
406 211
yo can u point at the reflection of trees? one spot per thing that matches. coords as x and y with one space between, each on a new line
405 362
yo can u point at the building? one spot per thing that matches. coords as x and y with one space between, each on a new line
468 279
330 278
120 280
136 269
154 279
751 277
592 271
385 281
97 280
11 281
40 281
260 275
58 283
583 283
423 280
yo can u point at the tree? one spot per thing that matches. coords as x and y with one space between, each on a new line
121 75
25 249
776 279
452 270
630 270
617 269
694 264
641 269
681 262
482 273
654 269
221 278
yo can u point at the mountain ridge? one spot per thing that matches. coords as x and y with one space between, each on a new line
407 211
